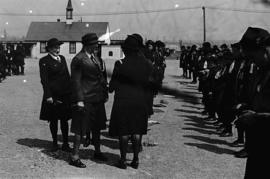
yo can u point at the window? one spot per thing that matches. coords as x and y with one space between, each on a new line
43 47
72 47
110 53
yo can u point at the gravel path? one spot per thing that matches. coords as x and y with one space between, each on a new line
187 147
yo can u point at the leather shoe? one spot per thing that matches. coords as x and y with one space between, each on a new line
77 163
238 143
121 164
100 156
87 142
134 164
241 154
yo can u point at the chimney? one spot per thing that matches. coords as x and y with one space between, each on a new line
69 10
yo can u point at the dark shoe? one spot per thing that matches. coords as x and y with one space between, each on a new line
226 134
55 148
134 164
122 164
100 156
87 142
66 148
77 163
241 154
204 112
238 143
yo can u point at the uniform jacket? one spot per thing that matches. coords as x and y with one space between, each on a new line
130 78
89 79
55 78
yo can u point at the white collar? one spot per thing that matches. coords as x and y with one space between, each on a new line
89 55
55 57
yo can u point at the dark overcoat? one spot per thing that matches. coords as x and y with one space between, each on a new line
130 110
88 78
258 129
55 80
89 85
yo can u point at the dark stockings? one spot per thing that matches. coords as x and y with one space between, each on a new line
96 140
136 142
64 130
240 133
123 144
76 147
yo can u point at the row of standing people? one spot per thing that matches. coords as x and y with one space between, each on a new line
189 59
236 91
82 95
12 61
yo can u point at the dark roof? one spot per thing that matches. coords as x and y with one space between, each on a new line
42 31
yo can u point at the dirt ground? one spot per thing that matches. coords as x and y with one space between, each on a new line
187 147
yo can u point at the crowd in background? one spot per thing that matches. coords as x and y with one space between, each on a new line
235 85
11 60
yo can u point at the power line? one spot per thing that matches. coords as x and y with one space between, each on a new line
139 12
238 10
104 13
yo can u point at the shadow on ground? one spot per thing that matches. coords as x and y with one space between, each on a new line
205 129
211 148
85 153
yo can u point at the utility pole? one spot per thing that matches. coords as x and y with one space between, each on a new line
204 28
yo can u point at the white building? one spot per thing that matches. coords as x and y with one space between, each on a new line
111 52
68 32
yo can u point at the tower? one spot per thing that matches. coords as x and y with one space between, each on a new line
69 15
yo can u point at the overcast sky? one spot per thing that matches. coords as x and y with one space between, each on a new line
224 21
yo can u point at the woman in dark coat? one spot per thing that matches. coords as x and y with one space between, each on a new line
55 80
89 94
130 111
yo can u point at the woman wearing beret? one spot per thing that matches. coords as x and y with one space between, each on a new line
129 112
55 80
89 94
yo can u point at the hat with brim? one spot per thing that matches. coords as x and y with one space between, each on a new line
53 42
130 43
254 38
139 38
89 39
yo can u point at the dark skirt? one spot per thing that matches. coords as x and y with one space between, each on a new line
59 110
92 117
128 118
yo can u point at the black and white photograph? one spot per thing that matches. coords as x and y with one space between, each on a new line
134 89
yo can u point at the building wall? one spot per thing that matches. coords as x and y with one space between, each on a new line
115 50
64 50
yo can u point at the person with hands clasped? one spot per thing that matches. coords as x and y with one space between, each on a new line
89 94
55 80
